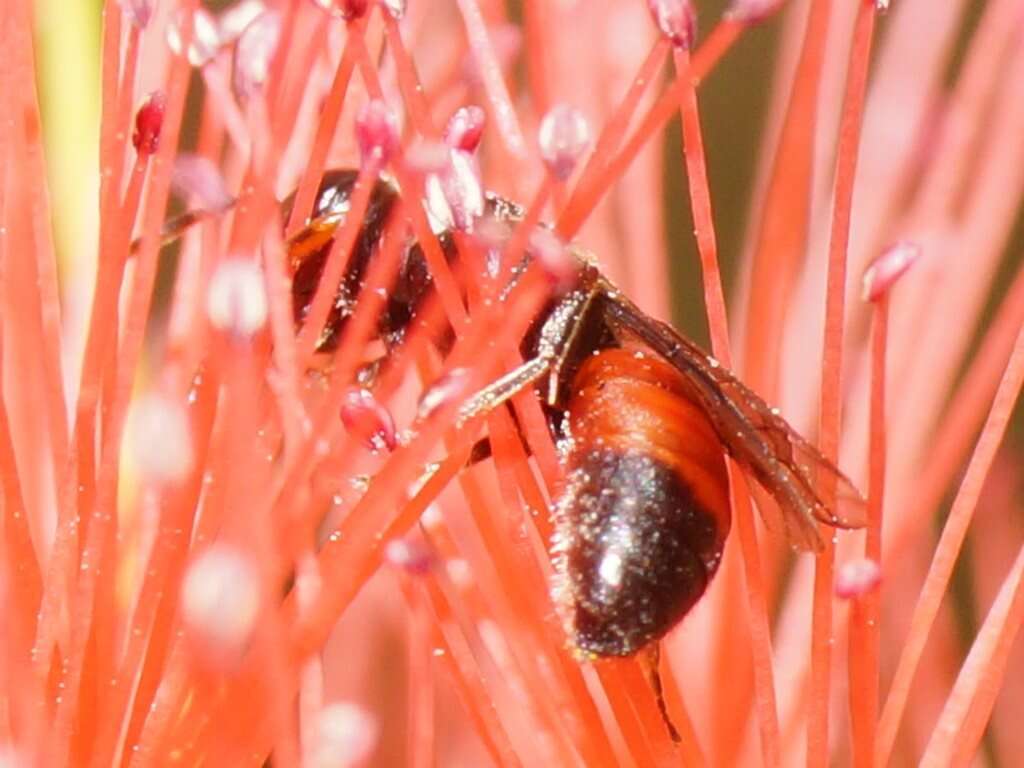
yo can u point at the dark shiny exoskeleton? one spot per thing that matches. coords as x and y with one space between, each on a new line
308 252
645 418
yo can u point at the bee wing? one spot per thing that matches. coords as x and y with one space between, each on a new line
806 485
847 508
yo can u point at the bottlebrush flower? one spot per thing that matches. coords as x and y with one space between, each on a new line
227 538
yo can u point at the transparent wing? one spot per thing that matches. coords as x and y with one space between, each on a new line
806 485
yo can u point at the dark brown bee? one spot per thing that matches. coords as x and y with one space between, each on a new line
646 418
646 507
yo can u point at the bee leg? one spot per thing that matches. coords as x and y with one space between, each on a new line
556 342
481 450
505 388
175 228
650 663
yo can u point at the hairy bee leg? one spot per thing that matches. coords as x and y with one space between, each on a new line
508 386
557 338
650 662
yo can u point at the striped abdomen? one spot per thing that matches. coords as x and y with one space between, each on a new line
645 511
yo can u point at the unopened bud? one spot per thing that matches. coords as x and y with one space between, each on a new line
409 555
220 603
377 132
883 272
161 439
465 128
237 299
857 578
365 418
149 121
563 137
346 734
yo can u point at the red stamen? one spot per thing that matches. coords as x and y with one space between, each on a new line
963 720
946 552
714 299
502 112
324 135
830 415
585 199
864 630
412 91
351 10
858 578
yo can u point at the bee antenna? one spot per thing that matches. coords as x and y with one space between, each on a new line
174 229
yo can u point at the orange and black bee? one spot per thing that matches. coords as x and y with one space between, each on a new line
646 419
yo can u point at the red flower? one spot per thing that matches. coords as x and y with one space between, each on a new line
209 557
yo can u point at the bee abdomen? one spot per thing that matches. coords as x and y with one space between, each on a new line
645 512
